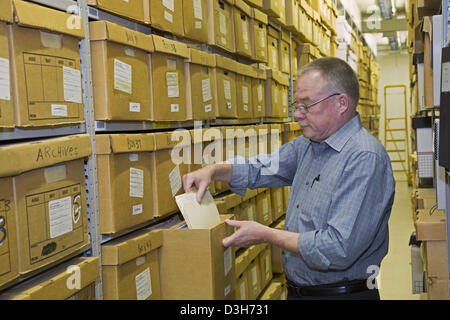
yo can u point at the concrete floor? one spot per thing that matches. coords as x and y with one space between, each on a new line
395 272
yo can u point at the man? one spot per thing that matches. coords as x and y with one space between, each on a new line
336 228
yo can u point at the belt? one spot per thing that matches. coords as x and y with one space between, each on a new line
327 289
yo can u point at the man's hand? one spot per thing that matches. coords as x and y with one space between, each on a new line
247 234
198 181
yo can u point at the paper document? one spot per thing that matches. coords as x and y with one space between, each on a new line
202 215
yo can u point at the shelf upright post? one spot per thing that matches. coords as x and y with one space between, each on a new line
91 168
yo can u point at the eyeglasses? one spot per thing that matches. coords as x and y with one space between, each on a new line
306 107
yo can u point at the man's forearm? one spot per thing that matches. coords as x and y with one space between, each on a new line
222 172
284 239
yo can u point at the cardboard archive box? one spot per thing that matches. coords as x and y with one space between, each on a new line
200 85
67 281
255 3
273 45
167 16
258 35
281 20
221 26
285 66
124 180
248 209
264 207
305 21
195 265
225 84
137 10
292 16
292 130
277 201
276 91
120 72
244 98
45 70
265 265
276 134
258 96
275 252
272 8
168 88
263 138
130 267
9 261
272 292
49 198
254 275
6 106
167 171
241 291
195 20
241 18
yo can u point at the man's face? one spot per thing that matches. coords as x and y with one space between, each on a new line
322 120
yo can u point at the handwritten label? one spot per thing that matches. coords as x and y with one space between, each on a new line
56 152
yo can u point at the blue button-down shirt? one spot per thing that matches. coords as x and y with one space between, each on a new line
340 202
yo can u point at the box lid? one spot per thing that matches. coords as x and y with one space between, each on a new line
123 142
430 226
225 63
228 201
260 73
171 139
278 76
36 16
240 4
131 246
241 263
22 157
53 284
6 11
201 58
105 30
168 46
246 70
260 16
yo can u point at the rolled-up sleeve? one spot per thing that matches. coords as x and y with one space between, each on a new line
360 203
274 170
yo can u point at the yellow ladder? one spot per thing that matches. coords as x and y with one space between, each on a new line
396 135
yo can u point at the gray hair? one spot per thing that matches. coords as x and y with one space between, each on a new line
338 75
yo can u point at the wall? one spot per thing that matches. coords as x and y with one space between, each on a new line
394 70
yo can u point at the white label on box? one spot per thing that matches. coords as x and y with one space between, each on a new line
245 31
223 40
122 76
137 209
242 291
198 14
245 94
172 84
174 107
59 110
130 51
175 180
260 92
206 90
274 57
228 105
198 25
445 77
227 290
5 91
286 61
60 216
251 214
168 16
140 260
135 107
169 4
208 108
227 89
262 38
136 183
171 64
222 23
72 84
265 206
284 98
246 46
259 108
254 276
245 107
133 157
279 201
227 260
275 95
267 267
143 285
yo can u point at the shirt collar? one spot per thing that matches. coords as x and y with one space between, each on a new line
338 139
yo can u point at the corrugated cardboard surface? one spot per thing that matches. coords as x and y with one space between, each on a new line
9 269
225 83
436 258
52 214
221 29
258 34
120 72
132 9
46 72
195 265
244 98
58 283
195 20
125 181
241 20
272 292
167 16
6 94
265 264
126 260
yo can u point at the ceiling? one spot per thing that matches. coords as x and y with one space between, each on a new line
370 12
